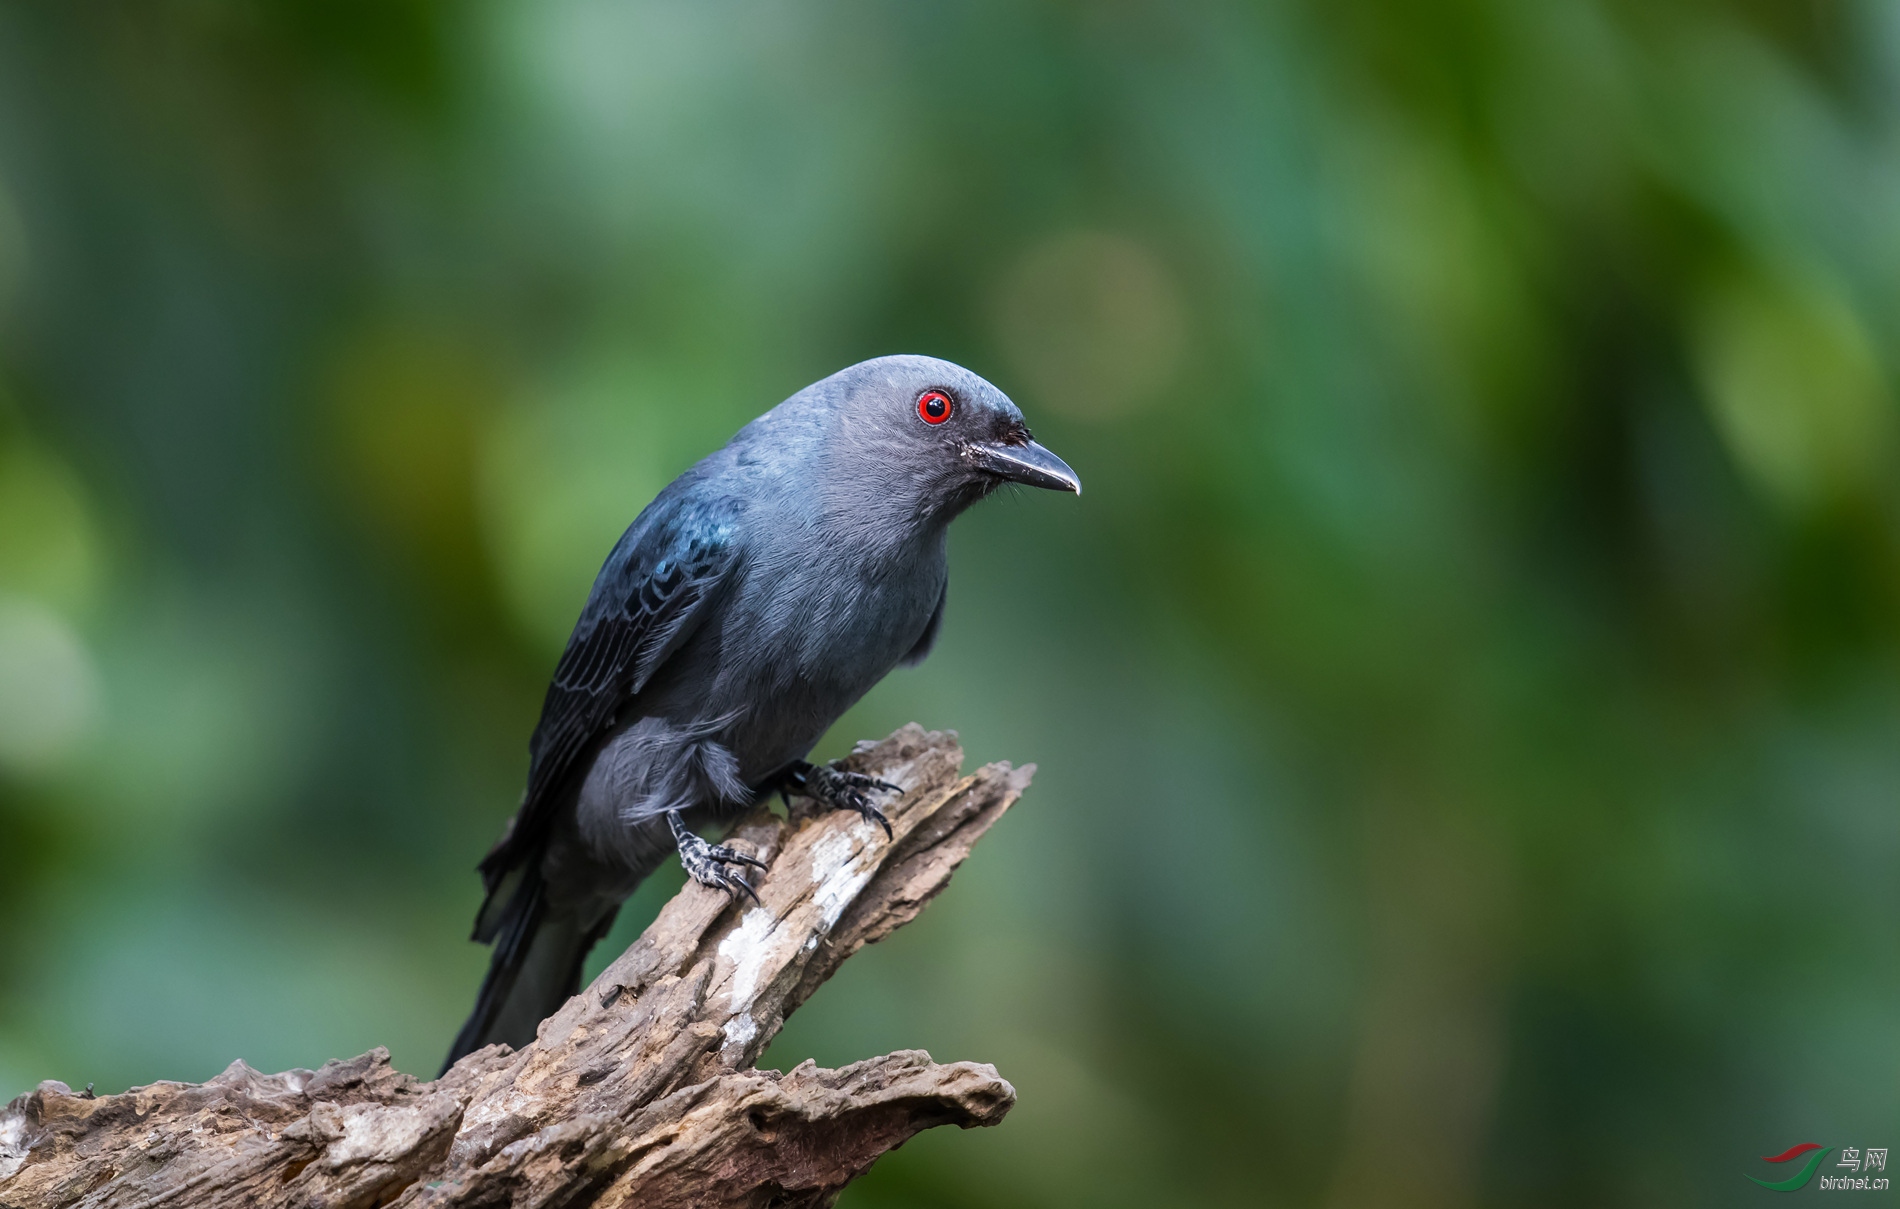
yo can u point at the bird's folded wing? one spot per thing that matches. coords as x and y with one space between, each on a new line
655 589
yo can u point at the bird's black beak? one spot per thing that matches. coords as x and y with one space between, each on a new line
1029 463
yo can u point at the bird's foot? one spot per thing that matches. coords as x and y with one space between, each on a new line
837 789
706 863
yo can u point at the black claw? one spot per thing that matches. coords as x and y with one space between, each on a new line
720 852
733 879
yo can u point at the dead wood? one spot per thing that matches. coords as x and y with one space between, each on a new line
640 1091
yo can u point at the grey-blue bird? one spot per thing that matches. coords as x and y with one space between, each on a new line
758 597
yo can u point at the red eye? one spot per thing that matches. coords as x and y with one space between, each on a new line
933 407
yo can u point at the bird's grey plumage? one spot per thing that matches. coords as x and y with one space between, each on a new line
758 597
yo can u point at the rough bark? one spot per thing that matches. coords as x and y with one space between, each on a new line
640 1091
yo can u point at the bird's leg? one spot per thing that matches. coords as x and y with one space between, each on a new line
706 863
837 789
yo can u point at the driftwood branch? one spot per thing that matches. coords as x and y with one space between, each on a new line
640 1091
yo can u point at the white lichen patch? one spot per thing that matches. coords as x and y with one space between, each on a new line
840 868
495 1108
12 1143
372 1132
747 950
740 1030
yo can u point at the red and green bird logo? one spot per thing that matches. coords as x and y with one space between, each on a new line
1801 1177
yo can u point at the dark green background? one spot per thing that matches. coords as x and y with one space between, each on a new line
1465 696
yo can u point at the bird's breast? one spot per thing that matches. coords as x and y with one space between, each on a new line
805 636
838 617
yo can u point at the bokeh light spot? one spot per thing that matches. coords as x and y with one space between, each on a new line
1791 379
47 545
562 473
49 688
1094 323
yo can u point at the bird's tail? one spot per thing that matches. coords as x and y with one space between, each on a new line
536 965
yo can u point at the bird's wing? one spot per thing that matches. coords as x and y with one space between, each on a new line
654 591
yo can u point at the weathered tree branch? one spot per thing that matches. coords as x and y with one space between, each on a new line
640 1091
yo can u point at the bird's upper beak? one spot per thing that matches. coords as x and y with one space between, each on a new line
1030 463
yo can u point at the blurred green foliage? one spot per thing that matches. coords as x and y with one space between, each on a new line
1465 698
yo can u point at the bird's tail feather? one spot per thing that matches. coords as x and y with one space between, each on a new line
536 966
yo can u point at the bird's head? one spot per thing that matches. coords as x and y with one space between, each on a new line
928 436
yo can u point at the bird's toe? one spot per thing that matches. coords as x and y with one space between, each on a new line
707 864
834 788
720 852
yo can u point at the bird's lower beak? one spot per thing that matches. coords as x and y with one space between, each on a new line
1030 464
